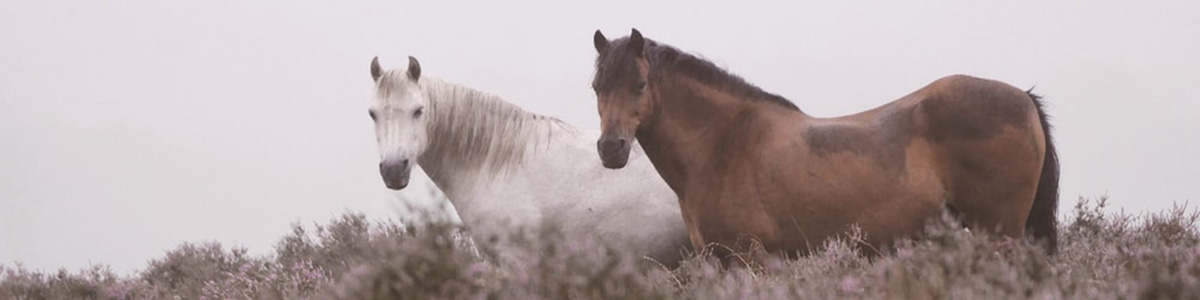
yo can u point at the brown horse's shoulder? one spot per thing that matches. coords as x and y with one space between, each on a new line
965 107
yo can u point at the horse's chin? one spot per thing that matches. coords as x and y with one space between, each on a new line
615 161
397 184
614 165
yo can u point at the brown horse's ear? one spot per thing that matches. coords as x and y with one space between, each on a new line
599 41
376 71
636 42
414 69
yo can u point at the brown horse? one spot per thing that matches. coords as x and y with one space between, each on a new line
751 169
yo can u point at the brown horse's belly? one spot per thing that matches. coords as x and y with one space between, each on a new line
801 225
722 224
844 194
881 221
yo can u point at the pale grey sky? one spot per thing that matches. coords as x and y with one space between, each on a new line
129 127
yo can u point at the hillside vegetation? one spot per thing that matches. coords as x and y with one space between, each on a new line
1101 256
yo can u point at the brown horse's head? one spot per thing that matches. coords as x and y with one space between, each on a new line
622 95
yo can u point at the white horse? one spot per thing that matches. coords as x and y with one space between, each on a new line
505 169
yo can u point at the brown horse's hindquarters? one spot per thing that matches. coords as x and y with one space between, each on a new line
990 183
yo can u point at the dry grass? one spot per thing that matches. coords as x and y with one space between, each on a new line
1102 256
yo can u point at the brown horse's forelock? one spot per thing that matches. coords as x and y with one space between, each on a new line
616 64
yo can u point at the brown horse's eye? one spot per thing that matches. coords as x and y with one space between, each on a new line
640 86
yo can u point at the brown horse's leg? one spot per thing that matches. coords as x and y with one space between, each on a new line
993 208
985 208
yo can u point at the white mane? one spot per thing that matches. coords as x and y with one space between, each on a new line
471 129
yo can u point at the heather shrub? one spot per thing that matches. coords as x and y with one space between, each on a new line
339 245
186 271
96 282
424 264
1176 226
433 264
552 265
1102 255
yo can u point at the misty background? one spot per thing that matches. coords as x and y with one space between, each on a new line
130 127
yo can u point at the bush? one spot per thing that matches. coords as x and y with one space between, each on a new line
97 282
1102 256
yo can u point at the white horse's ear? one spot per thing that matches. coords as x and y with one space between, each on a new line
599 41
414 69
636 42
376 71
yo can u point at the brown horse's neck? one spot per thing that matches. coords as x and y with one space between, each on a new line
693 125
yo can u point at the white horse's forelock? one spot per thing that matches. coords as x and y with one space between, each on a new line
470 129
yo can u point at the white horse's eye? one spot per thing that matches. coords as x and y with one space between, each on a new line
372 113
417 113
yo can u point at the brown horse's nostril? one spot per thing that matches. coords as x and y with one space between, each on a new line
611 145
614 153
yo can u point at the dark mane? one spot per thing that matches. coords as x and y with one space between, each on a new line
663 57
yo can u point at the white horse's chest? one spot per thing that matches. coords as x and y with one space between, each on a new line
563 183
549 185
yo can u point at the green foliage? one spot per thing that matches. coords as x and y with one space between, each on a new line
1102 256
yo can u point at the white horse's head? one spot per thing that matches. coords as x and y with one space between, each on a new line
397 109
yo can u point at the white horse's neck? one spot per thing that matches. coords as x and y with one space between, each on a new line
475 136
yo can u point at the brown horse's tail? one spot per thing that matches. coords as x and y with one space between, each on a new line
1042 223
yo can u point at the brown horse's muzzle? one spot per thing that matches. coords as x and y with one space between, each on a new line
614 152
395 173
